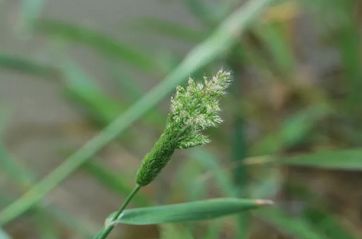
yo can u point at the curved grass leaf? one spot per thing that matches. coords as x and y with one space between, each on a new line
113 181
297 227
101 42
328 224
170 29
215 45
84 91
293 130
186 212
348 159
25 66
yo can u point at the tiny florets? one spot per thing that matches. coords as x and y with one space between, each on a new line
193 109
196 107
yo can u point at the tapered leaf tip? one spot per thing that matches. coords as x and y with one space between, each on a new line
264 202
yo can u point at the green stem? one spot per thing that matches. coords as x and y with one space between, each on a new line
108 228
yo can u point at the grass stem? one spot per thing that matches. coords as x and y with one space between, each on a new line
108 228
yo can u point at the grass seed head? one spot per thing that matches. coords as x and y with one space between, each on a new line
193 109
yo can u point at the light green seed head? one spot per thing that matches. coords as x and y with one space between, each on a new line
194 108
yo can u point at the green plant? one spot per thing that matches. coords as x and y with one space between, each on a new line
193 109
289 121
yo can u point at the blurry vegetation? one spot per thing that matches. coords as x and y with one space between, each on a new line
292 129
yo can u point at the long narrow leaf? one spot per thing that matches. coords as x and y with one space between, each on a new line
170 29
348 159
296 227
185 212
10 62
221 40
104 44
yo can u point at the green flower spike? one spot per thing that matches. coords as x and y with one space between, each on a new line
194 108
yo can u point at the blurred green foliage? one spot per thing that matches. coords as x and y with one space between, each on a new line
293 110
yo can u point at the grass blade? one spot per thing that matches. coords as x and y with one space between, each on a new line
186 212
81 88
170 29
174 232
220 41
25 66
327 224
293 131
104 44
113 181
296 227
348 159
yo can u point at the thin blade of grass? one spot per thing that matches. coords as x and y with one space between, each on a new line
25 178
22 65
175 232
293 130
14 169
278 47
96 40
85 92
45 226
326 223
186 212
338 159
113 181
220 41
170 29
348 159
296 226
210 162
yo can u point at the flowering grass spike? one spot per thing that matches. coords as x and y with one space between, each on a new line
194 108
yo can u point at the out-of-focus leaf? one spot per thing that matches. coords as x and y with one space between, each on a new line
45 226
274 40
296 226
211 13
221 40
3 234
327 224
292 131
31 10
14 169
81 88
113 181
350 48
128 86
25 66
171 29
348 159
209 161
101 42
175 232
24 178
186 212
102 108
